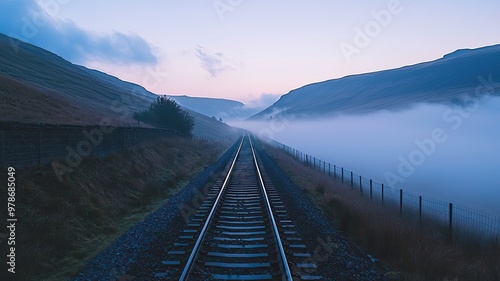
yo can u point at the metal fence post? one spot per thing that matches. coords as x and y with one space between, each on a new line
334 172
329 169
324 167
401 201
352 180
342 174
450 226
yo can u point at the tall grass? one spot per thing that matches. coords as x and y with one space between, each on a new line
405 250
63 224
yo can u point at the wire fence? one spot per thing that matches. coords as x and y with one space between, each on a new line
456 222
26 145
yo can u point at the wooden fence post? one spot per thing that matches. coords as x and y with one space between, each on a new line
382 194
352 180
360 185
342 174
450 226
401 201
371 189
420 210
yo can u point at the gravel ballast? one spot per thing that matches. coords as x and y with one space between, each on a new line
137 254
337 258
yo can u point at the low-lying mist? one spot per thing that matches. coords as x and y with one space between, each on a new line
449 153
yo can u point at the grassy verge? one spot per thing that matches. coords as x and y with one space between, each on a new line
407 251
63 224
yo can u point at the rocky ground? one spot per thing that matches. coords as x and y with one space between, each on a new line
337 258
136 255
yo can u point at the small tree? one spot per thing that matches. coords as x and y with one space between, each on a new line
167 114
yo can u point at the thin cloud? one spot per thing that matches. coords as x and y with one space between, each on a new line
215 63
263 101
28 21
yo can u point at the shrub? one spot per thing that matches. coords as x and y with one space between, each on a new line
165 113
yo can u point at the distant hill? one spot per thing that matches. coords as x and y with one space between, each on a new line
218 108
446 80
39 86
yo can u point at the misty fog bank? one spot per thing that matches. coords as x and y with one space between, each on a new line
442 152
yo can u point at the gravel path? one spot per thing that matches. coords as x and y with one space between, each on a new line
137 253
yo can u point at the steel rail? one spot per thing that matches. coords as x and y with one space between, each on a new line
196 247
286 268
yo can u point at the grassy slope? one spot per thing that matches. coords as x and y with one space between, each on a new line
64 224
92 93
419 254
446 80
20 101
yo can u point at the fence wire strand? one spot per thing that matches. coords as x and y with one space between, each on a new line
461 221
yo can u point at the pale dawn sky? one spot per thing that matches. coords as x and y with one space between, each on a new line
240 49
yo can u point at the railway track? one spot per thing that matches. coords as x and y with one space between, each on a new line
241 231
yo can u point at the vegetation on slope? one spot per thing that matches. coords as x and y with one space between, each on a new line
26 103
409 252
74 94
165 113
63 224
